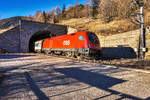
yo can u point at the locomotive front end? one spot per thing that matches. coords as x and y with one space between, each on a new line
93 45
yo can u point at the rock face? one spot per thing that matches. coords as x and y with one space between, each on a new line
17 38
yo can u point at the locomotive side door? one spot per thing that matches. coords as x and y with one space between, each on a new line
51 43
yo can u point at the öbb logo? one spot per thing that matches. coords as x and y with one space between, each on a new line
66 42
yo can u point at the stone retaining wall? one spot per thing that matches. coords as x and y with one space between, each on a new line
17 39
123 40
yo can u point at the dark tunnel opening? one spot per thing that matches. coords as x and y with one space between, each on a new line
38 36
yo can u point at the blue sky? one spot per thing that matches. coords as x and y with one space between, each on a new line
11 8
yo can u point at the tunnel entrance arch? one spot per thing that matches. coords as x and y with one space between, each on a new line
38 36
22 32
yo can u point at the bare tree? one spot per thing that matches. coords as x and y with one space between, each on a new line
147 4
69 7
108 9
126 8
87 10
87 6
53 16
58 11
89 2
38 16
76 3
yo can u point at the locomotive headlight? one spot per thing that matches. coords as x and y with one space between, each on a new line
89 45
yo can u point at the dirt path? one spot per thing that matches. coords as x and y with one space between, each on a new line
41 77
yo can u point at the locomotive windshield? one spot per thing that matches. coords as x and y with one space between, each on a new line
93 38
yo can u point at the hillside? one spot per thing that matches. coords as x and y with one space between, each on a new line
99 26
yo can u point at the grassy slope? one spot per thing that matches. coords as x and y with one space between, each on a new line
101 28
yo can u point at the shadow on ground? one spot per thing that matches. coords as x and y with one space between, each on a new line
8 56
100 81
37 78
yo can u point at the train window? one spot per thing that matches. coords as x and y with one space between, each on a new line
81 37
93 38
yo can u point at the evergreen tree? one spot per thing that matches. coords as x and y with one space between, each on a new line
44 17
95 4
64 8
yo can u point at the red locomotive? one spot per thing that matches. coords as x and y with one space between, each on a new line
79 44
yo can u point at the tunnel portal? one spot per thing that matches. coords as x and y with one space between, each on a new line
38 36
20 34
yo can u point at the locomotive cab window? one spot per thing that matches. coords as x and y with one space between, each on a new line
93 38
81 37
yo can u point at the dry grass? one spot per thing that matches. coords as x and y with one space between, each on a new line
114 27
102 28
74 20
